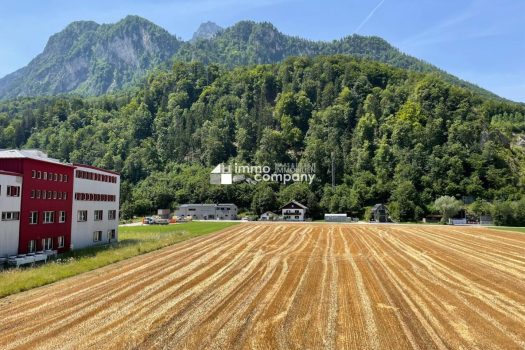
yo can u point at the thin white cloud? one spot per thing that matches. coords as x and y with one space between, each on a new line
453 29
369 16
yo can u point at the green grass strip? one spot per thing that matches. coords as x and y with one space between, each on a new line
133 241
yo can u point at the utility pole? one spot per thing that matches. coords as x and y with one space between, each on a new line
333 169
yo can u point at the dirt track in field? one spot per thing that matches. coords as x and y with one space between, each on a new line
290 286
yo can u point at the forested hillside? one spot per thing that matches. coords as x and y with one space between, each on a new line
88 58
398 136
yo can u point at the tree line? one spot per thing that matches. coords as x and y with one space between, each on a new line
393 136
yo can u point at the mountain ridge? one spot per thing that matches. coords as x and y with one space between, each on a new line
206 30
88 58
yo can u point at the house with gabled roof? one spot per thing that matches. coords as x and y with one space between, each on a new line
294 211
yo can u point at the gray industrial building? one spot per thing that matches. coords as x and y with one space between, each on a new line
226 211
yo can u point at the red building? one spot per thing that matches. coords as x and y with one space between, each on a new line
46 200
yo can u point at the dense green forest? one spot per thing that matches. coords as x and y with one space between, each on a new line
398 136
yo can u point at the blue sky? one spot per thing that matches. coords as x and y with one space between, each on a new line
481 41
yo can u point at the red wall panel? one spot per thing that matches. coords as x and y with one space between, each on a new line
39 231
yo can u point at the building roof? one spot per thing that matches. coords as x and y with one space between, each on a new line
95 168
10 173
378 206
206 205
296 203
29 154
269 213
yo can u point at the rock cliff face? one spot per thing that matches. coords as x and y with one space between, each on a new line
92 59
206 30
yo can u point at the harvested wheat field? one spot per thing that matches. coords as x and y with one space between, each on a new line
290 286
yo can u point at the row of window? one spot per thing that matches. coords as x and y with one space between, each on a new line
221 208
43 194
44 175
48 217
47 244
12 191
10 215
98 215
79 196
88 175
97 235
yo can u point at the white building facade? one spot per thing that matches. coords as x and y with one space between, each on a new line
207 211
268 216
95 207
10 202
294 211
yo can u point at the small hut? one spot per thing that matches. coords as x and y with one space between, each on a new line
380 213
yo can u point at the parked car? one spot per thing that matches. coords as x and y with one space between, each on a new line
155 220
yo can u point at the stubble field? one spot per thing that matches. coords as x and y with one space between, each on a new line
290 286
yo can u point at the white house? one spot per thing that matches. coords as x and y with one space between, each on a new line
268 216
10 200
95 206
294 211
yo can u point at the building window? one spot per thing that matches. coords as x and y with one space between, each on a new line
65 178
45 175
33 217
49 194
62 217
13 191
61 241
10 215
112 214
99 215
55 177
61 178
59 195
33 174
32 195
31 246
38 194
112 234
47 243
39 174
64 195
82 216
54 194
49 217
97 236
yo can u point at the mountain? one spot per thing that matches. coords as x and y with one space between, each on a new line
206 30
248 42
91 59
